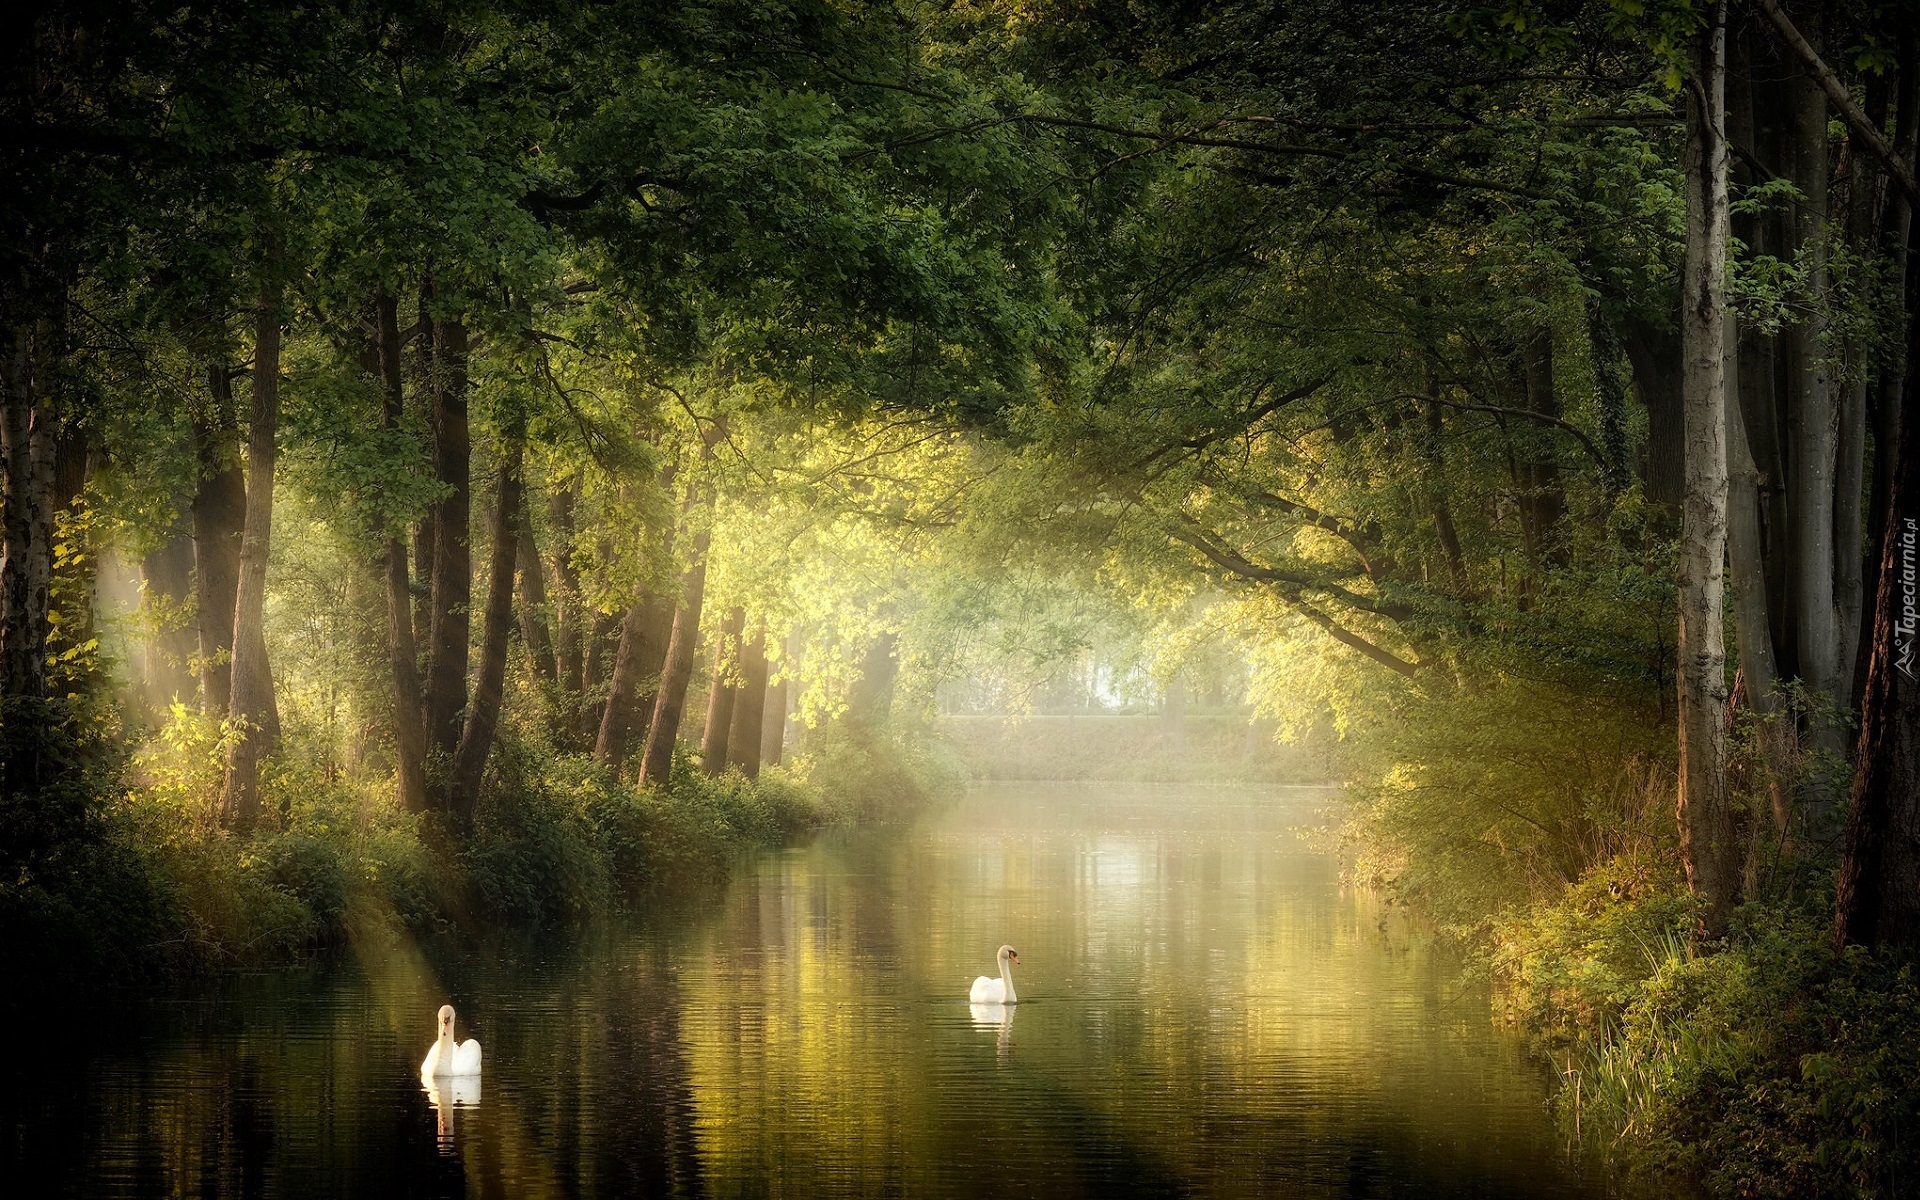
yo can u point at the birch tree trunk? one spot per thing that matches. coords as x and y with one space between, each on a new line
1706 828
252 702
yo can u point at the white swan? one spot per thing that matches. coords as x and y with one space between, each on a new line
997 991
448 1057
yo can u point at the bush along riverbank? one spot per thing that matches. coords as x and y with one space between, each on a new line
1762 1063
154 886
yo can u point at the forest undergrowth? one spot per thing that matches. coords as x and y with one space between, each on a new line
1761 1063
157 887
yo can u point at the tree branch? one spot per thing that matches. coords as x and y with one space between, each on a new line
1347 637
1281 150
1232 560
1362 545
1856 120
1246 420
1524 413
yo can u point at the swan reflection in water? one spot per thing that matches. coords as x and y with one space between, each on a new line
998 1017
448 1094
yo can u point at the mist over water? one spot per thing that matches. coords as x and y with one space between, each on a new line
1204 1011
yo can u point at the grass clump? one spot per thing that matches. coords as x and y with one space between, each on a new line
1765 1065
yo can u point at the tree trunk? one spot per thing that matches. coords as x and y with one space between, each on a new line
452 590
567 614
750 707
489 688
870 701
644 634
409 734
533 602
1849 540
1434 450
1753 625
1894 369
602 634
167 575
33 819
656 763
77 579
252 700
1544 501
1707 844
724 694
27 441
1654 354
219 518
1878 898
1813 417
773 722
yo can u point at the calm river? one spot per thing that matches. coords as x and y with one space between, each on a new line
1204 1011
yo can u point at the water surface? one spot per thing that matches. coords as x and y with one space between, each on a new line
1205 1011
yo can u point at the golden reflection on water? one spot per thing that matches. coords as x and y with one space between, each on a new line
1204 1009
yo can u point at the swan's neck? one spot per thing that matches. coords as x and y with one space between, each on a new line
1006 977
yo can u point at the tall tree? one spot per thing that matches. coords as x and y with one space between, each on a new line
219 520
535 612
676 673
409 734
750 706
252 705
1706 825
483 714
451 584
724 692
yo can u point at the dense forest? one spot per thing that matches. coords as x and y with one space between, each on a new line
475 461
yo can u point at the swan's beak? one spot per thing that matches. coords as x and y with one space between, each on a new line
1014 958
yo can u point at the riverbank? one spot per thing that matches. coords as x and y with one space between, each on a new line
157 887
1761 1064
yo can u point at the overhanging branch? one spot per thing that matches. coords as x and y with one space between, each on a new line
1857 122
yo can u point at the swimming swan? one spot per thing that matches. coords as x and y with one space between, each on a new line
997 991
448 1057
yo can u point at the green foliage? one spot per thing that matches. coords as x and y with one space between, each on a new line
1772 1067
1482 800
1573 967
862 775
